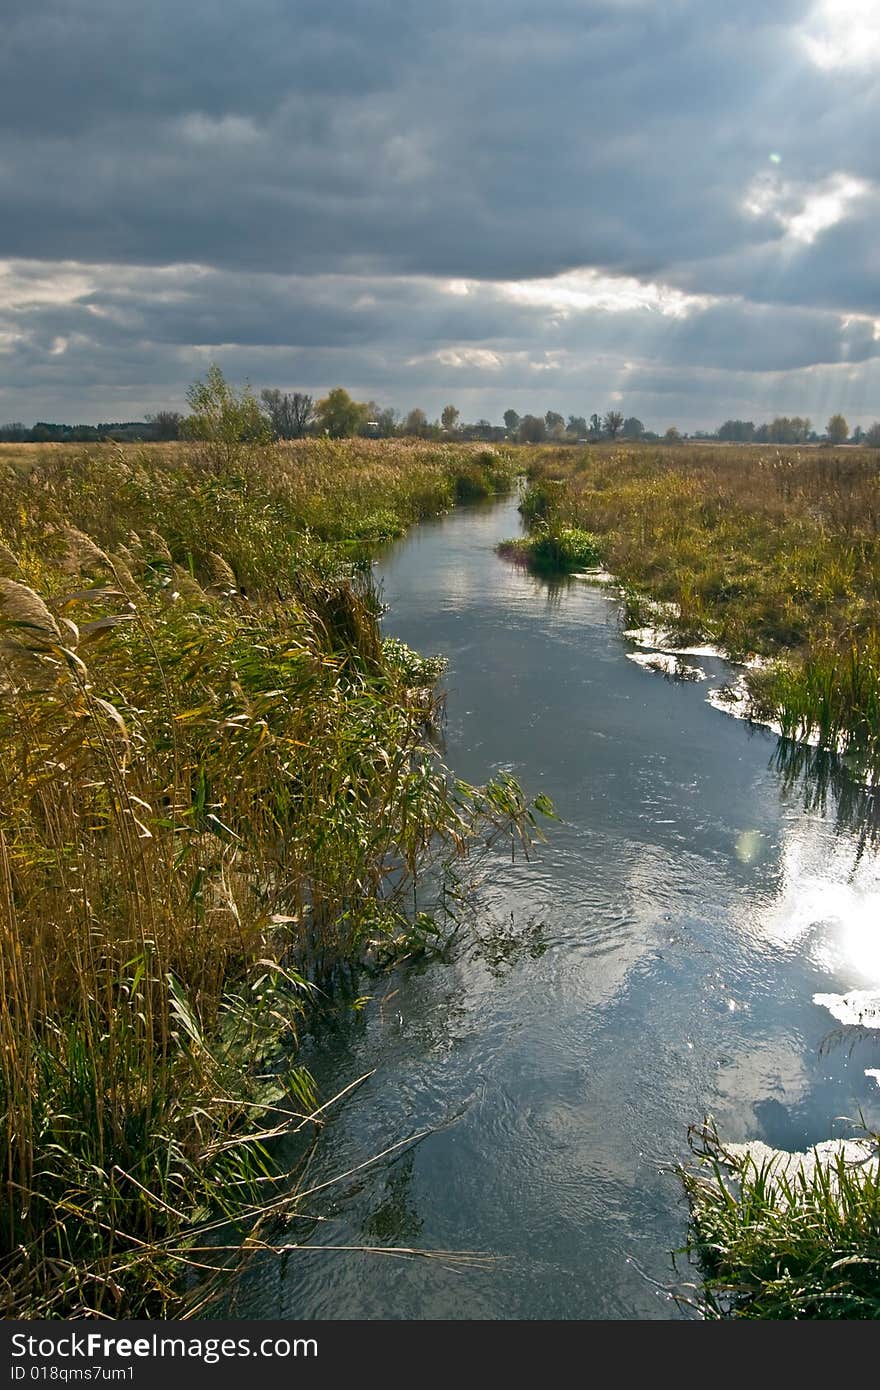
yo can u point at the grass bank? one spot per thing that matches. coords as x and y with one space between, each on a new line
760 549
214 793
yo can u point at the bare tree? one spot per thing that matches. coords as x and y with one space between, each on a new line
289 415
613 423
449 417
166 423
386 421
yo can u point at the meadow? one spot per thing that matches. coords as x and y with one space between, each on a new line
216 798
764 550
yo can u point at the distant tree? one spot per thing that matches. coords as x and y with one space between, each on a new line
511 421
14 433
289 415
449 417
872 435
858 435
786 429
340 416
225 420
555 424
632 428
613 423
532 430
577 426
837 430
672 435
302 412
416 422
595 426
737 431
386 421
165 424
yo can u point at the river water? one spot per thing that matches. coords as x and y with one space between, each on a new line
655 961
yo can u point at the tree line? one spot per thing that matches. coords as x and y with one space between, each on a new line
295 414
281 414
794 429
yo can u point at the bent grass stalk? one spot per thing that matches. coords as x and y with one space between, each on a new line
214 792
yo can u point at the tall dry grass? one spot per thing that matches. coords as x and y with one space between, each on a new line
214 791
763 549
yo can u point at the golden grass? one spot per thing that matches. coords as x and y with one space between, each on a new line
763 549
214 791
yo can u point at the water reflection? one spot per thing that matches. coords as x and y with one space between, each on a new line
828 899
656 961
395 1220
826 785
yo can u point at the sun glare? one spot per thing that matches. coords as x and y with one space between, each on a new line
590 289
843 34
804 213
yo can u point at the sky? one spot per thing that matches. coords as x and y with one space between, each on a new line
669 209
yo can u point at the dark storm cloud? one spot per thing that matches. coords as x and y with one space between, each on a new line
322 169
480 139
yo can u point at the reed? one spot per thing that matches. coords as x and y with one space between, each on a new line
215 791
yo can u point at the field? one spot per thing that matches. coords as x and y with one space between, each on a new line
764 550
215 794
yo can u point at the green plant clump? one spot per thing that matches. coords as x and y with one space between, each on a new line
554 550
781 1246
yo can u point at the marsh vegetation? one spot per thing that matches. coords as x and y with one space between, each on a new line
782 1239
762 550
219 800
215 794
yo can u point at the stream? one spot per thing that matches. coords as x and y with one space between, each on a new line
654 961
